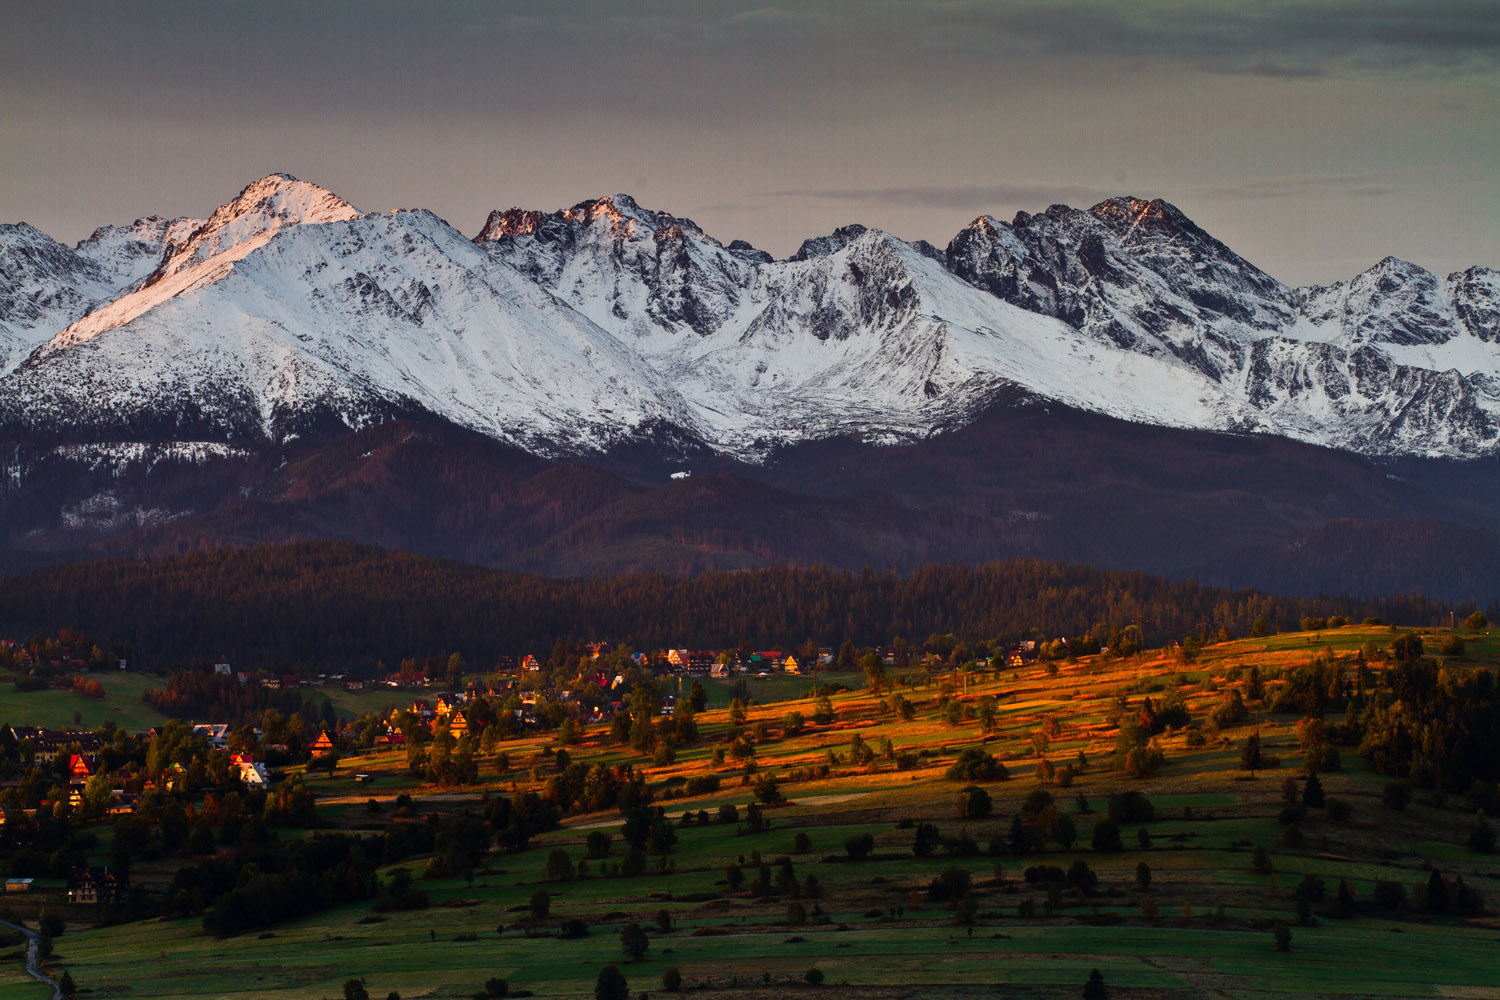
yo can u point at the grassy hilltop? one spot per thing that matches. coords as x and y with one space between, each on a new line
1227 855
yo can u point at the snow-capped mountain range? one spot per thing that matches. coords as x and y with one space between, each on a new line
576 331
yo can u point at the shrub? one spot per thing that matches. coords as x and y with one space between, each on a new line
355 990
702 784
1282 934
671 979
950 885
926 840
1095 989
1131 807
633 941
812 977
572 929
559 865
611 985
1106 838
496 987
1482 838
974 803
859 846
1143 875
802 843
1396 795
1390 896
598 844
541 904
974 764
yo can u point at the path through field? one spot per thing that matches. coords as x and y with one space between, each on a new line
31 956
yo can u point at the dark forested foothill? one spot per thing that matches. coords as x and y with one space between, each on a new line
345 606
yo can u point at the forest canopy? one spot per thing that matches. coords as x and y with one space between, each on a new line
335 605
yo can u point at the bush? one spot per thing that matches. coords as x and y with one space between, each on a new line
1282 934
541 904
926 840
1482 838
1095 989
671 979
597 844
812 977
1390 896
702 784
496 987
974 803
572 929
974 764
1131 807
1106 838
355 990
633 941
802 843
1396 795
859 846
950 885
611 985
559 865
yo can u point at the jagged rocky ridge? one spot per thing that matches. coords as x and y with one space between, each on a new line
583 330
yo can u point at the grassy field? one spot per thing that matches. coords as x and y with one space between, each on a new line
1201 929
59 709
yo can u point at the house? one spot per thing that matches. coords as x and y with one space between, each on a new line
678 658
701 663
174 778
80 768
97 885
791 666
458 726
530 665
223 668
505 664
323 743
18 885
719 670
253 774
597 649
217 733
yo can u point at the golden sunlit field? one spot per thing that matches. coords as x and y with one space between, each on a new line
1186 907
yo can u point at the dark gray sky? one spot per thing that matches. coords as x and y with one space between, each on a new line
1313 138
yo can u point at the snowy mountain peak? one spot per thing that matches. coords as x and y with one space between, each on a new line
234 231
511 222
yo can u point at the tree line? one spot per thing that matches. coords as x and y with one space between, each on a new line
336 605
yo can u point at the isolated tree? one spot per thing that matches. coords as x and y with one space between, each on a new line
541 904
1482 838
1250 755
812 977
611 985
1095 989
65 984
1282 935
633 941
1143 875
1312 792
1106 837
671 979
1476 622
859 846
355 990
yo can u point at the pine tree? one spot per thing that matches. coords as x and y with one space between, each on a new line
1312 793
1095 989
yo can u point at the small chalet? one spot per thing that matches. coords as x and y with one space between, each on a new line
80 768
458 726
323 743
253 774
18 885
97 885
792 666
597 649
217 733
678 658
530 665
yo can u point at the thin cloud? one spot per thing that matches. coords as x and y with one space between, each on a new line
956 196
1365 185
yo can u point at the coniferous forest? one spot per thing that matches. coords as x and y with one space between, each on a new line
332 605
